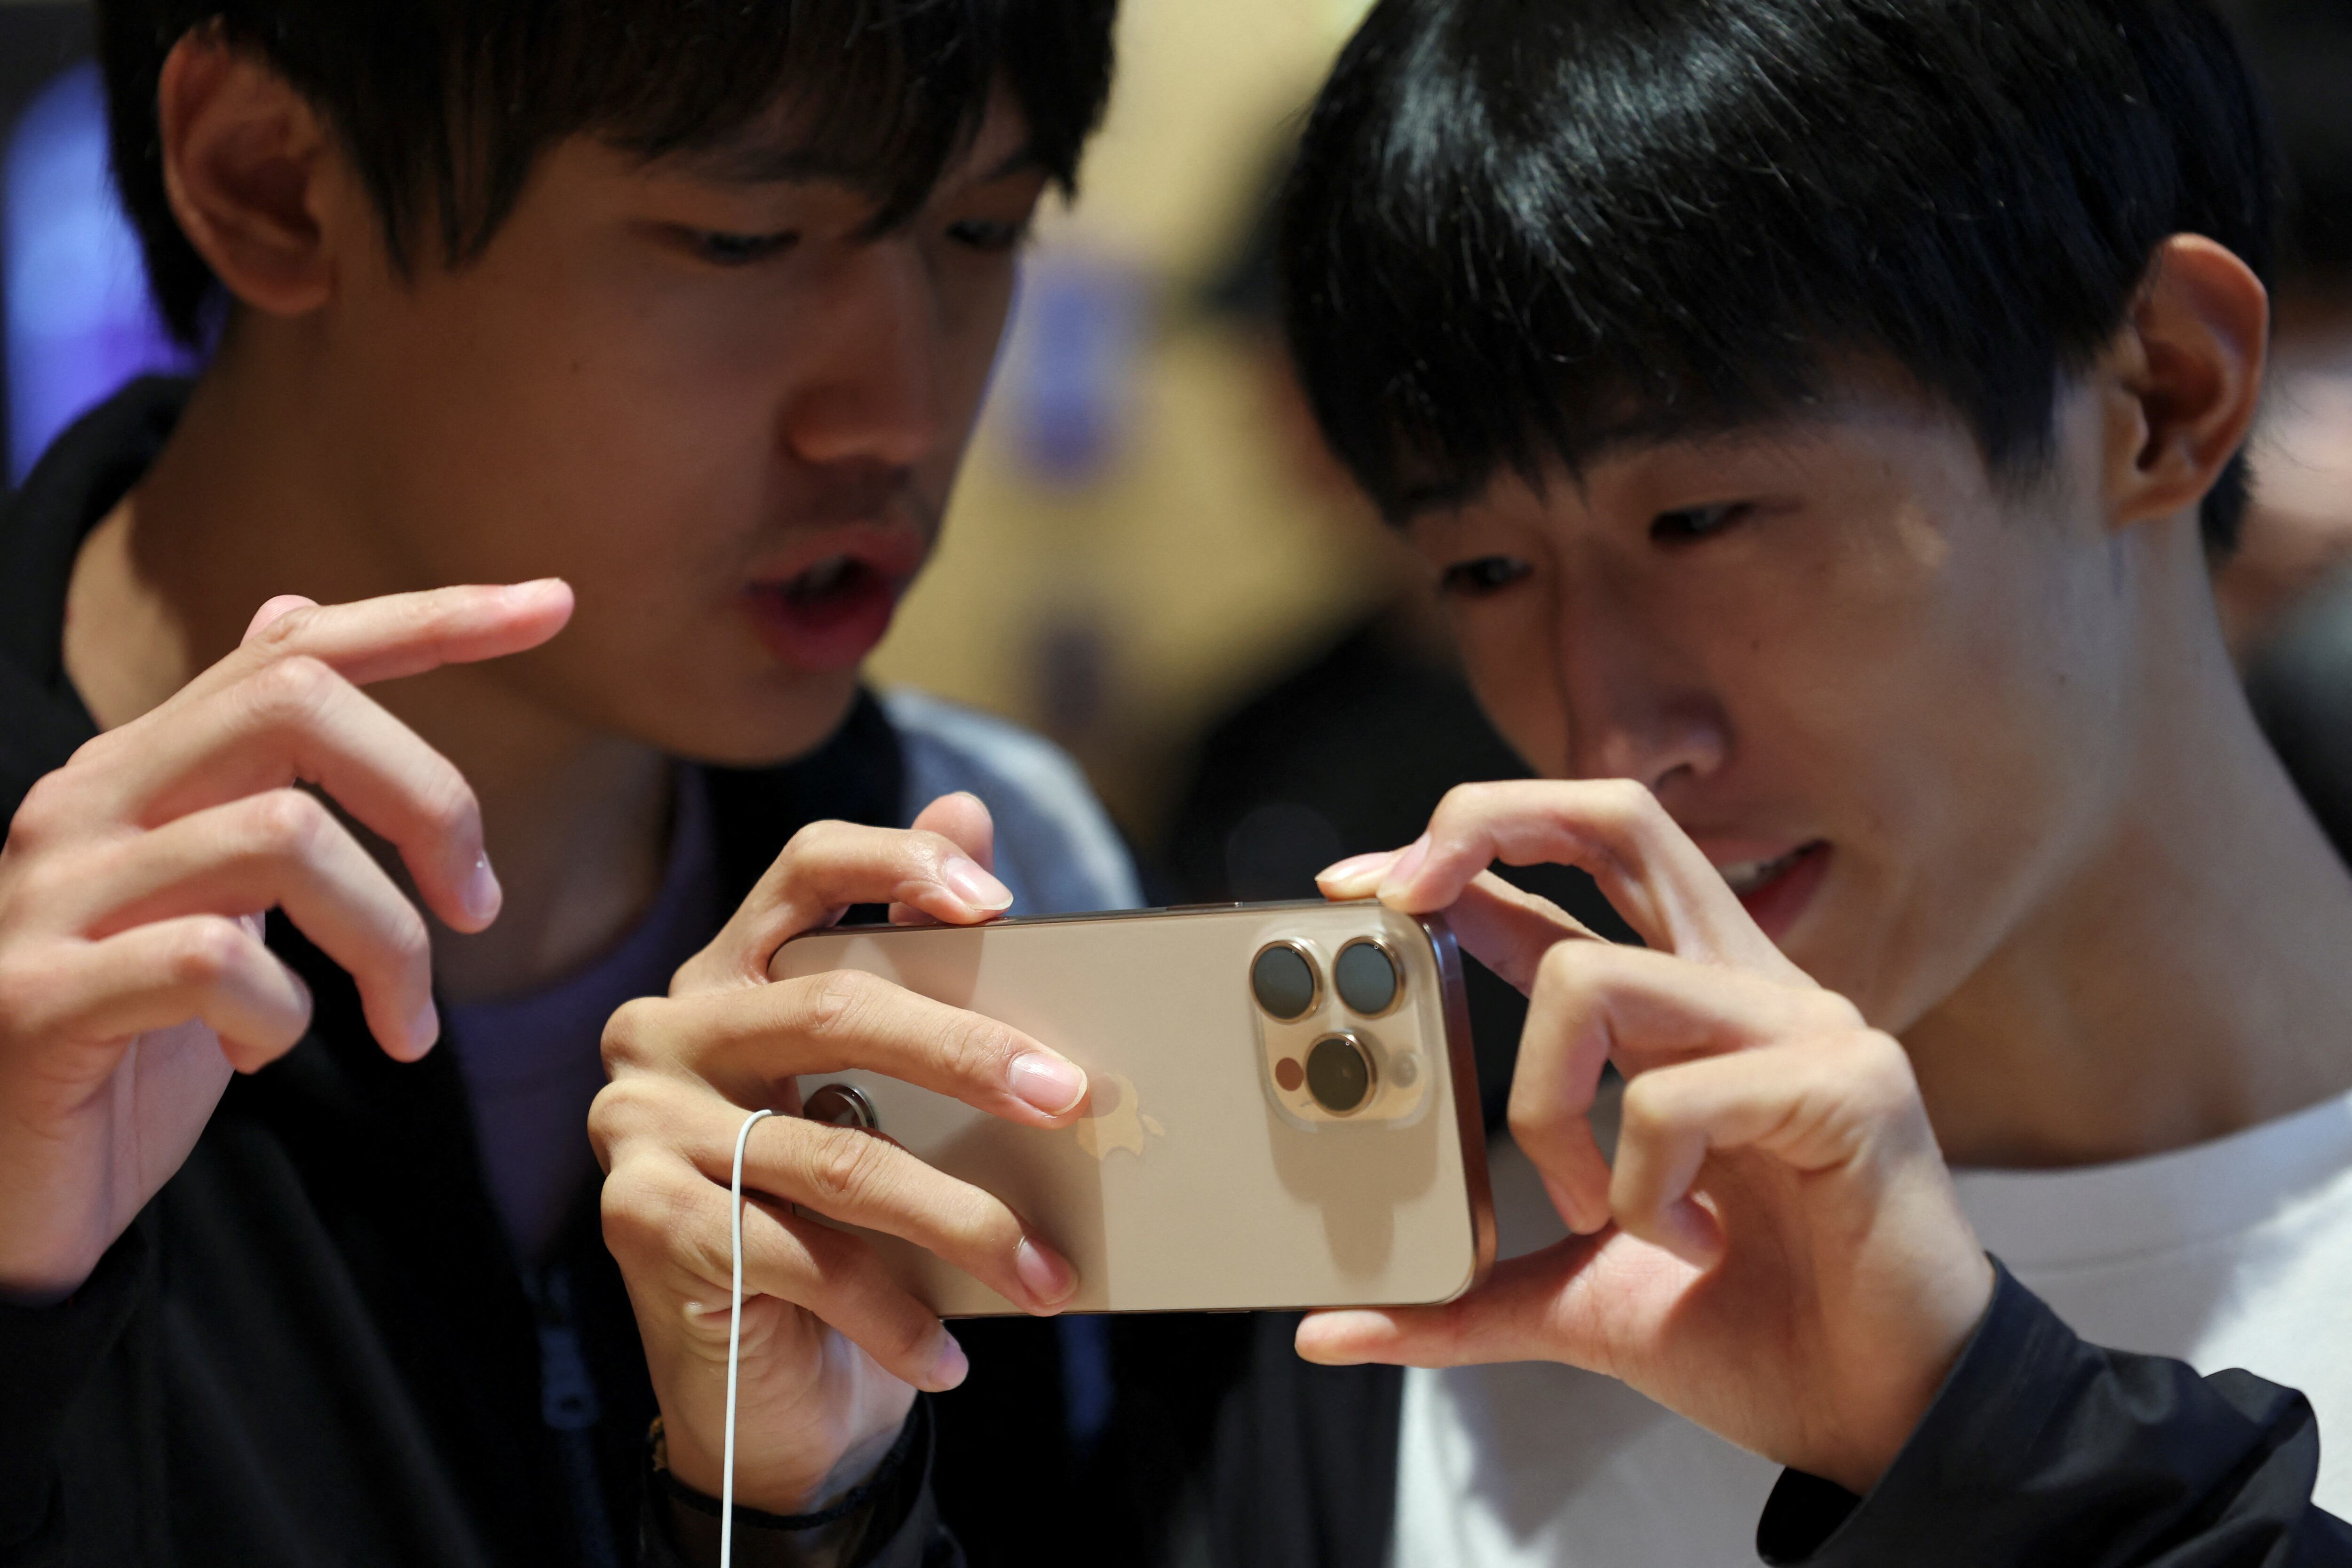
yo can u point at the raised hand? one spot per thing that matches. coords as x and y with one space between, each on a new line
1778 1253
833 1350
134 980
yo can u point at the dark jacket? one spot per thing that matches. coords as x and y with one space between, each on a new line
315 1345
2040 1449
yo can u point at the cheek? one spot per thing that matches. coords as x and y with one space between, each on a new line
556 425
1513 669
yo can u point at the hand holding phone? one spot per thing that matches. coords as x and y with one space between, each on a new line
833 1348
1778 1253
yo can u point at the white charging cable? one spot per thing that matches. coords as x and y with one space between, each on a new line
734 1350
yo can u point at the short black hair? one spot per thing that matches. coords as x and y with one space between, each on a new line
1522 230
2302 51
446 106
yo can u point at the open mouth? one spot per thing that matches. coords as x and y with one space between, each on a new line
1775 891
835 586
828 615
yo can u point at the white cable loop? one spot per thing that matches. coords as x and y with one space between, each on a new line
734 1350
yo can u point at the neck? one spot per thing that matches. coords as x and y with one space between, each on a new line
2186 980
249 500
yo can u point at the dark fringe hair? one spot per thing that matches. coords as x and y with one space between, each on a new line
446 105
1520 231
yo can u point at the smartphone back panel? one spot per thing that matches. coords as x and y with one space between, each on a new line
1210 1171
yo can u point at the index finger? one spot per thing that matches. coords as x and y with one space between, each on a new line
398 634
744 1043
1613 829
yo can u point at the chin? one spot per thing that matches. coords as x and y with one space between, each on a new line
760 728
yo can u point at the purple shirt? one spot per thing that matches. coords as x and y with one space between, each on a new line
531 1063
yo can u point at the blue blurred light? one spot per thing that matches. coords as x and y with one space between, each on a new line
80 322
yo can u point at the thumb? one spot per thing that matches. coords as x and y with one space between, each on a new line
1515 1316
963 819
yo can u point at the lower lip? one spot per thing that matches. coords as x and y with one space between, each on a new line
831 631
1777 904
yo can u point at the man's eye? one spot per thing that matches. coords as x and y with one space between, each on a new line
987 236
1695 522
723 249
1488 574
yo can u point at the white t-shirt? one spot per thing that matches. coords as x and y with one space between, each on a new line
2232 1253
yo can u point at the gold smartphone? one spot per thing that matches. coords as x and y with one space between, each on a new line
1283 1109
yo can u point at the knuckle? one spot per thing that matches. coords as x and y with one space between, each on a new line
408 940
445 800
1569 964
906 1336
846 1167
639 1105
44 881
24 998
630 1032
837 1003
1647 1108
42 812
1462 801
1878 1066
647 1206
976 1050
288 823
287 630
1625 802
294 690
1829 1012
206 951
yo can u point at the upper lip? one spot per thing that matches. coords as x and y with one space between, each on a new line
1742 857
896 550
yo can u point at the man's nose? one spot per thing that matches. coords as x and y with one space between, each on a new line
870 389
1634 710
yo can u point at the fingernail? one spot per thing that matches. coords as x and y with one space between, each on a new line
1048 1278
1051 1083
1354 877
974 886
483 896
1393 885
950 1365
523 595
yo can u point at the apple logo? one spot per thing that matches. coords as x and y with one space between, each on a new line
1115 1119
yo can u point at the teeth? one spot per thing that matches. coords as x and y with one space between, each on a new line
1746 876
823 578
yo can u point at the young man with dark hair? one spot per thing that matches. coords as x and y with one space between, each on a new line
1822 416
1824 413
679 318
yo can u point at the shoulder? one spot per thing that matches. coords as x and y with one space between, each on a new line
1055 846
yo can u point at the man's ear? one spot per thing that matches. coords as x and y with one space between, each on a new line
2184 379
245 157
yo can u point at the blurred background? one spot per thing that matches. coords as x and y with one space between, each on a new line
1150 559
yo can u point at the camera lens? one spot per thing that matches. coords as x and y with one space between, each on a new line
1284 981
1366 979
1338 1074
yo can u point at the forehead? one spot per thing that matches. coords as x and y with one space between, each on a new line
1856 417
798 145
